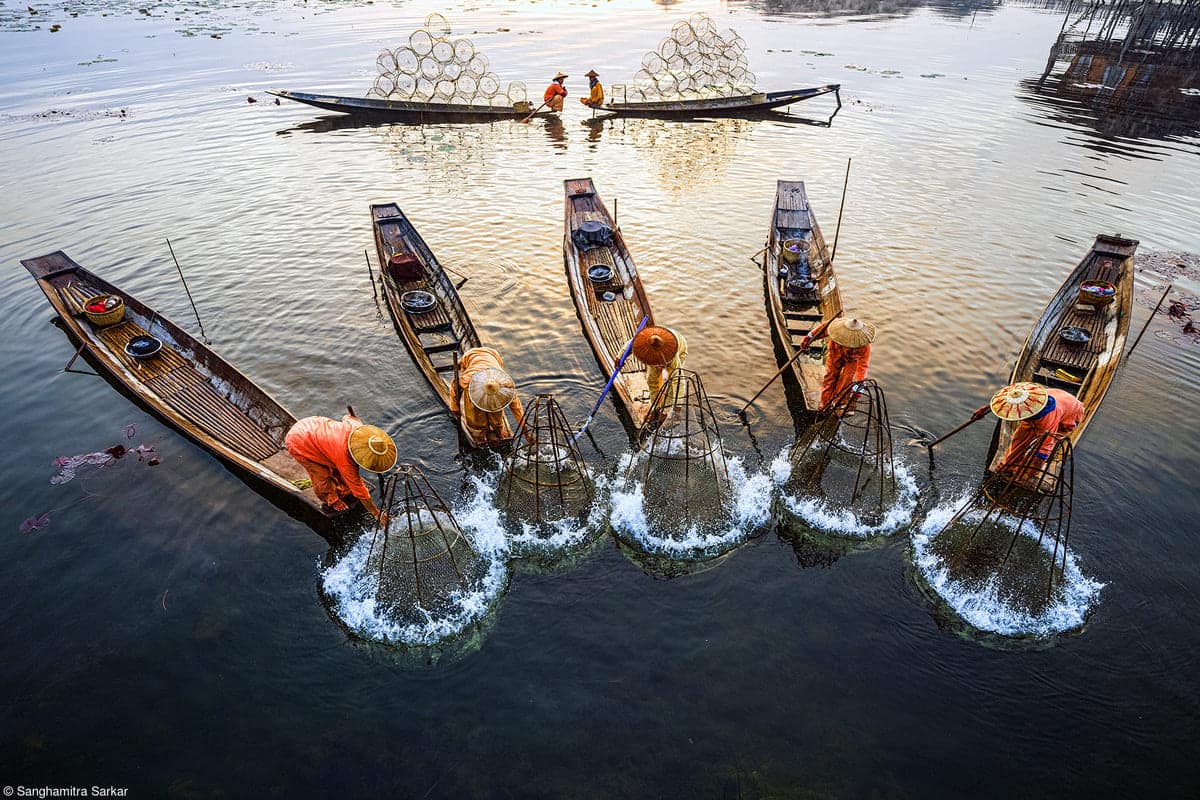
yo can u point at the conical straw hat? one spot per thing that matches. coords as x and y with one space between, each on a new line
372 449
491 389
655 346
558 75
1019 401
851 332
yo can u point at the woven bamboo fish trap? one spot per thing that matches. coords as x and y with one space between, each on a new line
545 479
684 475
845 457
1015 529
421 555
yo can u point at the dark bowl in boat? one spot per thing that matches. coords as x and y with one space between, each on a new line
418 301
600 273
143 346
1074 335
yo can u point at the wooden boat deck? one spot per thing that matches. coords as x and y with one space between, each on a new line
608 324
187 384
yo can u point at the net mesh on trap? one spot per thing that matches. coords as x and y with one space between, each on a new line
695 61
684 475
1001 534
421 555
433 67
545 479
845 457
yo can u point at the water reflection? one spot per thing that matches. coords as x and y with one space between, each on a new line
835 8
1126 76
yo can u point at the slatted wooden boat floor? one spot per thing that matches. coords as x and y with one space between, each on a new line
1095 322
189 392
618 321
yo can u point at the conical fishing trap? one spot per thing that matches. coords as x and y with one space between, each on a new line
545 479
845 457
684 475
1014 530
421 555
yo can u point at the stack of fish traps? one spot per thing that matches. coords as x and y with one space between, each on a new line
434 68
695 62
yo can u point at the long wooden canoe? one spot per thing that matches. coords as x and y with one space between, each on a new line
185 384
802 295
408 110
1084 370
438 337
609 311
719 106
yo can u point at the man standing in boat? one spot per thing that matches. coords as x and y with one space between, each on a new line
595 97
663 351
555 92
1038 411
331 451
847 357
484 390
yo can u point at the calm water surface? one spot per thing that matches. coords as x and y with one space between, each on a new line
165 631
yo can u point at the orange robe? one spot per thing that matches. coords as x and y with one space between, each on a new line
321 446
1066 416
554 95
595 97
490 427
843 366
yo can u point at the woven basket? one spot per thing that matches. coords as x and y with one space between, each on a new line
111 317
1092 299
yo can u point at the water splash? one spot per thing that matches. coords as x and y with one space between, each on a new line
521 539
981 603
843 521
748 508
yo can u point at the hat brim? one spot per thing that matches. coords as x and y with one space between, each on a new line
361 452
655 354
1019 401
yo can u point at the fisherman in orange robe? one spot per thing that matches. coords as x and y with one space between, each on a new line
555 93
484 390
331 451
1040 411
847 357
595 97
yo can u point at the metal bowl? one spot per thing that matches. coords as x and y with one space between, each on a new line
143 346
600 273
1074 335
418 301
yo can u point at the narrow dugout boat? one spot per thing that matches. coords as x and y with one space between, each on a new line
740 105
184 383
424 304
802 288
409 110
607 291
1054 354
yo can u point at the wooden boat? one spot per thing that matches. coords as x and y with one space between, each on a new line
719 106
800 295
185 383
438 333
610 310
408 110
1083 369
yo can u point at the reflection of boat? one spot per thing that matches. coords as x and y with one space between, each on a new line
719 106
612 304
424 303
802 289
184 383
1083 368
410 111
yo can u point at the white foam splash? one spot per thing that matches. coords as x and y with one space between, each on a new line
844 522
749 508
981 606
352 588
480 513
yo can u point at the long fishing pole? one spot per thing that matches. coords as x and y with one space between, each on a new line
1149 320
611 379
837 231
189 292
801 349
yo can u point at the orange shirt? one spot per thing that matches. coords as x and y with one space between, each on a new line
555 89
843 366
482 426
1066 416
325 442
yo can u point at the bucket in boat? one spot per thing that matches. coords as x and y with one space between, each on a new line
104 309
418 301
1097 293
792 249
600 273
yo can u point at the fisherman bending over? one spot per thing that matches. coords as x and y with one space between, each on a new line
555 92
663 351
331 452
595 98
484 390
847 357
1039 411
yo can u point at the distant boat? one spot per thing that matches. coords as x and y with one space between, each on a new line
720 106
409 110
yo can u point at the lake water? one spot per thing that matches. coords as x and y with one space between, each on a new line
165 630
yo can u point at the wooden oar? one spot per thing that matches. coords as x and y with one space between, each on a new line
974 418
535 111
815 333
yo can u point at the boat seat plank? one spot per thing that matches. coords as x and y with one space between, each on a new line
442 348
797 219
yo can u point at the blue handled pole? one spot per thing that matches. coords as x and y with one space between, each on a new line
611 379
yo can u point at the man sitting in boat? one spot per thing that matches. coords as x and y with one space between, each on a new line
663 351
595 98
1038 411
555 92
484 390
331 451
847 357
